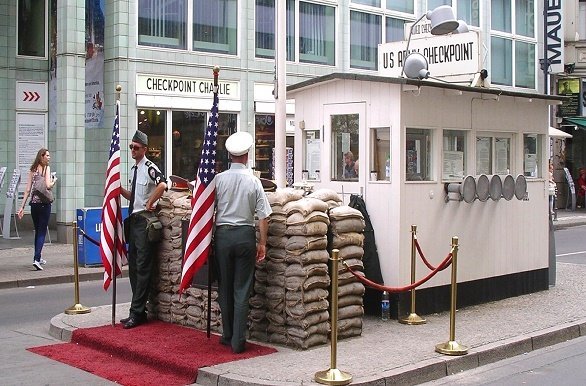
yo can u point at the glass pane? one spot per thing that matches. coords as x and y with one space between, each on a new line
316 33
264 128
380 161
395 29
401 6
265 29
31 27
469 11
532 155
162 23
215 25
501 15
418 155
525 17
502 150
524 64
188 135
345 146
501 63
226 126
433 4
152 123
365 36
454 148
483 155
372 3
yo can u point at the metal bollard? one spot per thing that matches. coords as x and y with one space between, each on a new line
77 308
333 376
413 318
452 347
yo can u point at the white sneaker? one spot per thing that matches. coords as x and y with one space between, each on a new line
37 266
43 261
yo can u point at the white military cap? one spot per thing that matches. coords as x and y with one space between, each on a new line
239 143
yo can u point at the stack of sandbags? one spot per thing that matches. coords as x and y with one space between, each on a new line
328 196
347 225
306 273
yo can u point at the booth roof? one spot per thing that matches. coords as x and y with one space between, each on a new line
556 99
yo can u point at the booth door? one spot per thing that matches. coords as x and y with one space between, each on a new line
345 148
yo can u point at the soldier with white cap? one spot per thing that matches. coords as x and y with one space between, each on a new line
239 196
148 185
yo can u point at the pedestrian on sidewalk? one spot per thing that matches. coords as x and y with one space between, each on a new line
148 185
239 196
40 208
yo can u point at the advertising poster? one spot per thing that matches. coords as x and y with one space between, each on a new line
571 89
94 64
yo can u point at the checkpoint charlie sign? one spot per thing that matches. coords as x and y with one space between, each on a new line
454 54
184 86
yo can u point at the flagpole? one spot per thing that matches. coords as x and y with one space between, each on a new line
115 254
209 315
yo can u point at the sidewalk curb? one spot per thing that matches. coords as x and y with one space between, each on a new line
433 368
60 279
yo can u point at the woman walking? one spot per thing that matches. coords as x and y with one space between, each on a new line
40 211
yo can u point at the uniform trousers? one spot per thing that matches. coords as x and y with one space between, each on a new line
140 265
235 254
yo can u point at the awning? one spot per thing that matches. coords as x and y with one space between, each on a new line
580 121
553 132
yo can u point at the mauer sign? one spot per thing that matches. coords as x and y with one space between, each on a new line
449 55
554 35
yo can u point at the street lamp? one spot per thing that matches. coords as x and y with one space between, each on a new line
443 22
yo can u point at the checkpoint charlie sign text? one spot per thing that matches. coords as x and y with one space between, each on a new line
454 54
183 86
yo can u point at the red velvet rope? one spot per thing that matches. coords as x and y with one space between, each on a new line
431 267
447 261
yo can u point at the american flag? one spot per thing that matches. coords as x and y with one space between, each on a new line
111 239
199 235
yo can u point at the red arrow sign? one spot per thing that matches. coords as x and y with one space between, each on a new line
31 96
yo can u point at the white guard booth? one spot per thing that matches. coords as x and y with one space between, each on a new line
411 139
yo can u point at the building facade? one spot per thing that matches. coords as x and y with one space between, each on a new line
61 60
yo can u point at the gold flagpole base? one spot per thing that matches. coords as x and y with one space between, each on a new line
333 377
413 319
78 309
451 348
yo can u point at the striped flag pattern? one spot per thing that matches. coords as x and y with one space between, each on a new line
111 239
199 236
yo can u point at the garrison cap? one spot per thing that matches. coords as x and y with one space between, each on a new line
140 137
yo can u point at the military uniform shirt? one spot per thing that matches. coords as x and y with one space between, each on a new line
148 176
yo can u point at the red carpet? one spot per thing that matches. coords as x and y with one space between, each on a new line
156 353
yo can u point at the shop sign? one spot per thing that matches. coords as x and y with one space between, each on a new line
554 33
183 86
455 54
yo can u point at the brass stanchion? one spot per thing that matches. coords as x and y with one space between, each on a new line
333 376
452 347
77 308
413 318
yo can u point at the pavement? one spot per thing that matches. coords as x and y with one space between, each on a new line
386 353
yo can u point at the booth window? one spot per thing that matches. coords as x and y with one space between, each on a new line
380 154
162 23
418 155
454 155
532 155
345 147
312 142
493 155
32 28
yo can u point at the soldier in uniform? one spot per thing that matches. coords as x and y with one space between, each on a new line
148 185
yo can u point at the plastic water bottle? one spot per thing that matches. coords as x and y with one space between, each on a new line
385 306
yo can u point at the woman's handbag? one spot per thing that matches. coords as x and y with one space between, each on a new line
40 188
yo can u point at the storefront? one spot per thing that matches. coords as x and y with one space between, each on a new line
408 139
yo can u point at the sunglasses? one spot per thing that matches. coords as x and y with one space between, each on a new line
135 147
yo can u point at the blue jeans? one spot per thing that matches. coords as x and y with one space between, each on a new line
40 214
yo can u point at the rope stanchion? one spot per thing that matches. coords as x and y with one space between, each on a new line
413 318
452 347
333 376
87 237
77 308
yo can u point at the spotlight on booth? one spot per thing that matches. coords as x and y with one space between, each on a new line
458 191
443 22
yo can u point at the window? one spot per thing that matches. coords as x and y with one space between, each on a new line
395 29
532 155
380 154
433 4
493 154
365 36
162 23
32 28
405 6
153 124
469 11
215 25
418 155
316 33
345 146
265 29
372 3
454 153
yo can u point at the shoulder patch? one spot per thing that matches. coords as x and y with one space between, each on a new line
152 172
148 163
